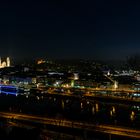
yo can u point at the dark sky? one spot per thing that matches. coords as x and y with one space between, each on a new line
58 29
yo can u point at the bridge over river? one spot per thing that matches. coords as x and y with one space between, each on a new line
43 122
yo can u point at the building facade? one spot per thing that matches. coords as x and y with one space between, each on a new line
5 63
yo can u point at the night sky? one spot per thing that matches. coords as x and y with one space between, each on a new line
74 29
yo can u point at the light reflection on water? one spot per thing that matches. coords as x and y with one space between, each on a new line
109 113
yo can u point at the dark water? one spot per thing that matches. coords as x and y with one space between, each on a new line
79 109
74 109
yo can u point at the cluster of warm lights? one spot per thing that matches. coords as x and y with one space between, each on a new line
40 62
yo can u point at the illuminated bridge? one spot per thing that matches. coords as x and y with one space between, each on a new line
42 121
15 90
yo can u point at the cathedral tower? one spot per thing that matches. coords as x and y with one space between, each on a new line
8 62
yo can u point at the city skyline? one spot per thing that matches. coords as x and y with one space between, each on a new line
102 30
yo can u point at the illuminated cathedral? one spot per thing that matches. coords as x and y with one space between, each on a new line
5 63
